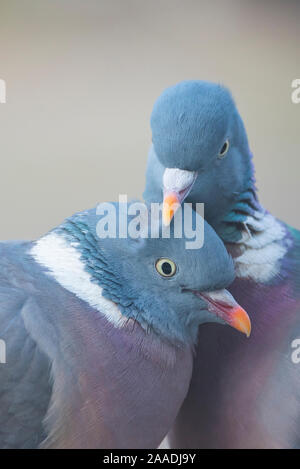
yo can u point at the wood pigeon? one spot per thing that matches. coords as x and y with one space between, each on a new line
99 333
244 394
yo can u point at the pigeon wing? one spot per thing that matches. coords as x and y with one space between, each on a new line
25 386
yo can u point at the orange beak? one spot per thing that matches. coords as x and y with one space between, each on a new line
177 184
170 204
222 304
240 320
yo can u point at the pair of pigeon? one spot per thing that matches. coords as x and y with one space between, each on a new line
100 333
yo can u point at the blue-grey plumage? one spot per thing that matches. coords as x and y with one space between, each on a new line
99 342
244 394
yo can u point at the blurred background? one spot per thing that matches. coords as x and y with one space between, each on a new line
82 77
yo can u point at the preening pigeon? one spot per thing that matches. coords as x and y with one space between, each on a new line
244 394
99 333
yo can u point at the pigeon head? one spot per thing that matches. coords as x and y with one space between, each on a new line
156 281
202 150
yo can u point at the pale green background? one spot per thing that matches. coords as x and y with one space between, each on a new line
82 77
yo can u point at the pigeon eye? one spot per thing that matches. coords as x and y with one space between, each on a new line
224 149
165 267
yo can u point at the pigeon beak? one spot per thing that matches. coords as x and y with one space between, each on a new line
171 203
177 184
222 304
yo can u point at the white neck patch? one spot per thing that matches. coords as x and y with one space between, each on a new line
62 259
263 246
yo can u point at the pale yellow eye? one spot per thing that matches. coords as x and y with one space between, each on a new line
165 267
224 149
